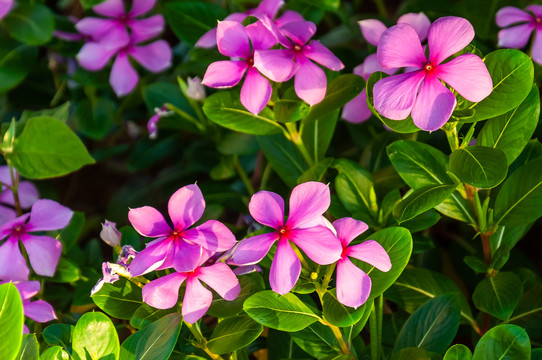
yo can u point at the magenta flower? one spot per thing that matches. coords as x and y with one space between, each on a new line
27 192
39 310
304 228
5 7
179 247
233 40
163 293
419 92
519 26
43 251
281 64
353 284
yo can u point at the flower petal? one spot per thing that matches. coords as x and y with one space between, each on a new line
267 208
536 51
197 300
146 29
7 228
211 235
277 64
232 40
353 284
434 104
510 15
255 92
96 28
27 289
188 256
93 56
148 221
154 57
269 7
348 229
123 77
420 22
322 55
150 258
140 7
40 311
111 8
446 36
260 37
287 17
356 110
12 263
5 7
221 74
468 75
372 253
400 47
222 279
163 293
394 96
6 214
43 253
285 268
515 37
48 215
28 195
299 31
308 201
253 249
186 206
372 30
310 81
319 243
207 40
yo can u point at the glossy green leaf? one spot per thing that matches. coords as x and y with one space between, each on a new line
290 110
48 148
120 299
413 353
233 333
422 200
69 235
250 284
317 134
498 295
341 315
284 157
234 143
146 315
479 166
519 198
55 353
95 337
503 342
512 131
316 172
318 341
58 334
16 61
432 327
458 352
528 313
29 348
281 312
11 321
66 271
87 4
94 118
32 24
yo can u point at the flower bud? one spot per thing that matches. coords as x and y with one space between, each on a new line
109 234
195 89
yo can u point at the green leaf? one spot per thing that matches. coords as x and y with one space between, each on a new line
317 134
528 313
290 110
281 312
32 24
87 4
233 333
66 271
146 315
69 235
94 118
503 342
341 315
476 264
61 112
519 198
95 337
422 200
512 131
479 166
120 299
11 321
498 295
317 340
250 284
234 143
225 109
58 334
29 348
16 61
512 72
413 353
432 327
316 172
54 353
458 352
48 148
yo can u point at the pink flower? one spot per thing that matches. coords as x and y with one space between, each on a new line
420 92
5 7
353 284
281 64
43 251
110 235
163 293
180 247
27 192
304 228
233 40
356 110
518 27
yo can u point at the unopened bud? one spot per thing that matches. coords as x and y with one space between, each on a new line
109 234
314 275
195 89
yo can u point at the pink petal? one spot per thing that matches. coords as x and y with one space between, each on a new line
348 229
188 256
25 329
372 30
515 37
40 311
356 110
28 195
6 214
48 215
140 7
123 77
154 57
372 253
197 300
308 201
267 208
150 258
269 7
287 17
163 293
95 27
146 29
319 243
232 40
468 75
7 228
310 81
394 96
370 65
43 253
115 39
446 36
148 221
12 263
299 31
5 7
420 22
400 47
255 92
27 289
353 284
207 40
5 177
211 235
221 279
278 65
253 249
260 37
434 104
285 268
536 51
221 74
186 206
111 8
322 55
94 56
509 15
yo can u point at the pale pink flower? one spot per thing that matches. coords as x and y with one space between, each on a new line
27 193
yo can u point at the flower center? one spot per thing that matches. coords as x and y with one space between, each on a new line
428 67
175 234
282 230
17 230
297 48
538 20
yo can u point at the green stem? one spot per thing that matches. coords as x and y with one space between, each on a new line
295 137
265 176
451 135
15 189
185 116
242 173
201 341
59 93
375 339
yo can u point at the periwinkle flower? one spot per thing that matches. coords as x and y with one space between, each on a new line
419 92
27 194
111 272
39 310
109 234
304 227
